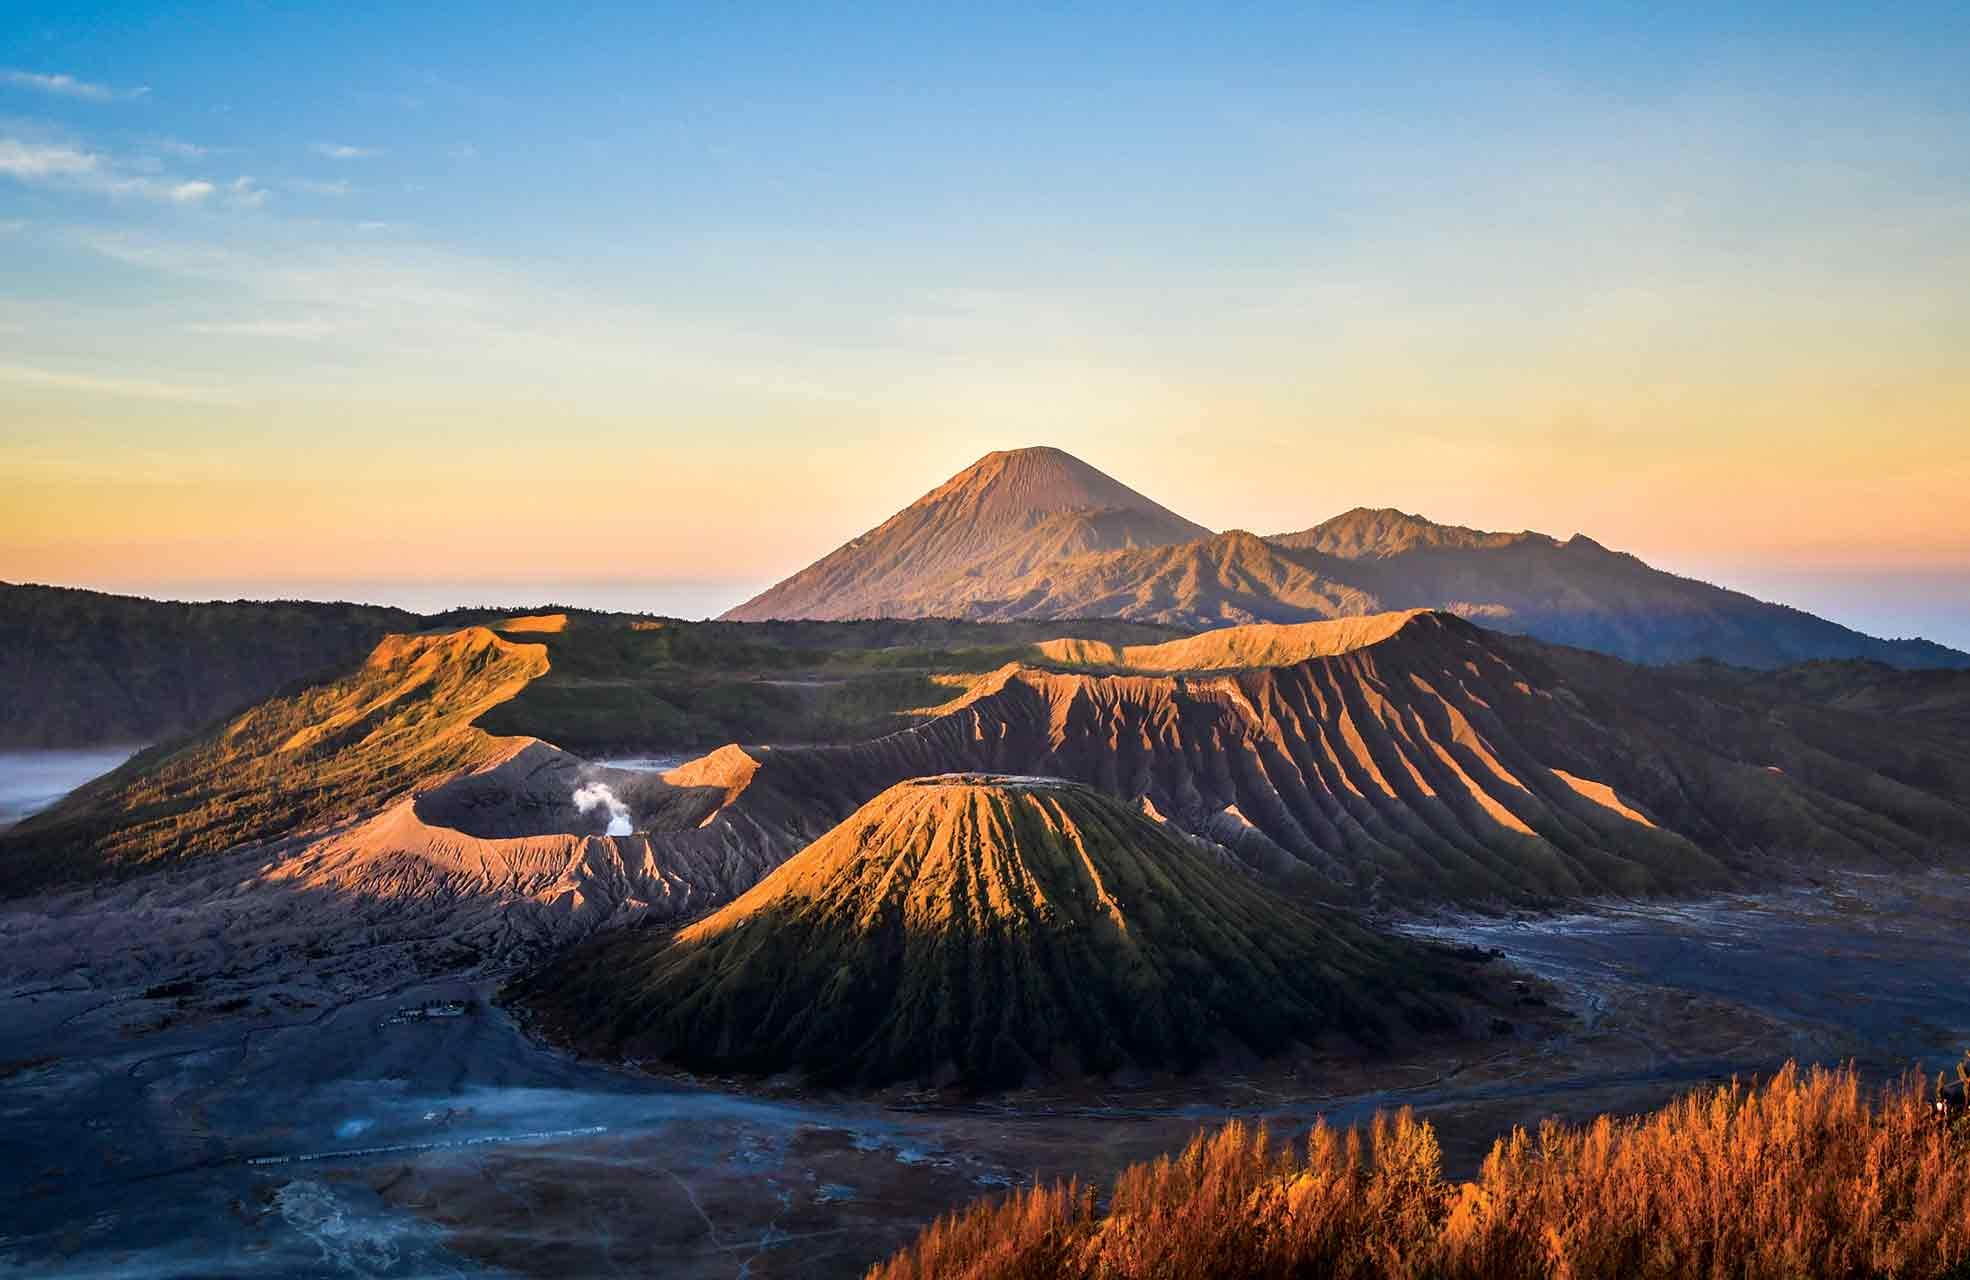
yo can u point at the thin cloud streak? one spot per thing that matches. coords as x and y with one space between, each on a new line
343 151
67 86
30 162
60 165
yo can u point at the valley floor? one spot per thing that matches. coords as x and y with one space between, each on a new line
369 1112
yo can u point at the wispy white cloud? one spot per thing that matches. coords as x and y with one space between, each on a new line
65 86
314 187
182 150
244 193
343 151
63 165
30 161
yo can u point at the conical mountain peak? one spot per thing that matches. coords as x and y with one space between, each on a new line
984 511
982 928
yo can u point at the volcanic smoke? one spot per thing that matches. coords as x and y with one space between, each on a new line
598 793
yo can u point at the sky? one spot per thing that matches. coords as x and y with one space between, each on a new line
655 303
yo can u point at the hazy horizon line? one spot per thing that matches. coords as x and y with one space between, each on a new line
1896 604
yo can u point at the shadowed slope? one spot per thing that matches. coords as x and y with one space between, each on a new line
1047 501
985 927
83 667
1939 698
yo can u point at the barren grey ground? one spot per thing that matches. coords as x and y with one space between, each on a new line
318 1132
282 1089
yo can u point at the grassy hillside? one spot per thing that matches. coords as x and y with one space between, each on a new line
1809 1176
981 929
651 685
403 719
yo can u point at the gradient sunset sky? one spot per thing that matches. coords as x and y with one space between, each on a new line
659 303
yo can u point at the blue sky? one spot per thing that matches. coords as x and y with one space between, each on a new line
507 294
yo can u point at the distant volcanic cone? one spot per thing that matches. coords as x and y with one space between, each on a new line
1005 515
981 929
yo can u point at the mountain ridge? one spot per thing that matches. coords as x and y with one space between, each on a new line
1407 760
1367 560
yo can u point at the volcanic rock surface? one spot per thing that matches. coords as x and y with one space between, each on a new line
1422 759
983 928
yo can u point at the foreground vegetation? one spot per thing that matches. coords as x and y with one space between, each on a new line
1809 1175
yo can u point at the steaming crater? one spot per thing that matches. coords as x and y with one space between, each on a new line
542 790
591 796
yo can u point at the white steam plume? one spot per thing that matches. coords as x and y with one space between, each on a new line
598 793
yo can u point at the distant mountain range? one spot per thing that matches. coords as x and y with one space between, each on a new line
1038 534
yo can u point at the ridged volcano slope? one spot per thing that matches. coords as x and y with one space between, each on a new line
983 928
1444 762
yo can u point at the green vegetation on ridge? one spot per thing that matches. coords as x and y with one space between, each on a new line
683 686
322 753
